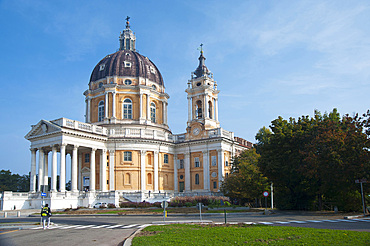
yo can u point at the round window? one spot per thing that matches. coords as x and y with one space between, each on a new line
181 176
198 84
128 82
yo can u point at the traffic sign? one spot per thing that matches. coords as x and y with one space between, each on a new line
43 194
265 194
164 204
360 181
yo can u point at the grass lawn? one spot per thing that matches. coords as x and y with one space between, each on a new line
183 234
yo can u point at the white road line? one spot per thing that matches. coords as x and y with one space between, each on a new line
69 227
330 220
248 223
346 220
101 226
83 227
282 222
129 226
315 221
266 223
111 227
363 220
143 225
298 222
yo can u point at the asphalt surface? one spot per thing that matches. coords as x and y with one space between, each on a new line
115 229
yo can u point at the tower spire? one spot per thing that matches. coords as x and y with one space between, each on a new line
127 38
202 69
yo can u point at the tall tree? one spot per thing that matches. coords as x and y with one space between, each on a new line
311 160
245 182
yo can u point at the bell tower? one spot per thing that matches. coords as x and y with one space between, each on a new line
202 99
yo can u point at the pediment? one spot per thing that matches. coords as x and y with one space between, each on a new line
42 128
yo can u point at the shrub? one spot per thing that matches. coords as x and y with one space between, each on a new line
111 205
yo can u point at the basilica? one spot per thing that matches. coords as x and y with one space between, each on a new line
125 150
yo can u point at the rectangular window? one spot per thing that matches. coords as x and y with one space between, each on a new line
87 158
214 160
226 163
196 162
127 156
181 164
215 185
165 160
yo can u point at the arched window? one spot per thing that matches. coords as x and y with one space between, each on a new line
198 110
152 112
101 111
210 110
100 84
149 178
196 179
127 109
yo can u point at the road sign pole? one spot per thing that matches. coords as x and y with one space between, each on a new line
363 200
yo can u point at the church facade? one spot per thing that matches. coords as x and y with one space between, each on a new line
125 150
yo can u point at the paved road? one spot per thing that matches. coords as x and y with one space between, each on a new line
111 230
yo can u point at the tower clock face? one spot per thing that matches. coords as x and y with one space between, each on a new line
196 131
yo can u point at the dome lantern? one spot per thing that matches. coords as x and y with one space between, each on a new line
127 38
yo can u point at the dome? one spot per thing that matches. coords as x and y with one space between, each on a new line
127 63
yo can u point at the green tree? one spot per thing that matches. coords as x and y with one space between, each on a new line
315 160
13 182
245 182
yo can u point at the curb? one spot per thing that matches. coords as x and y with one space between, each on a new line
128 240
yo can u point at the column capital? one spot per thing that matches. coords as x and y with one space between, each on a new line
205 151
142 152
104 150
33 149
156 152
111 151
94 149
75 147
63 145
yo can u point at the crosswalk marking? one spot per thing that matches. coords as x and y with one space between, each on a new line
129 226
79 227
101 226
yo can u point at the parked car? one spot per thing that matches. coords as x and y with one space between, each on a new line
100 204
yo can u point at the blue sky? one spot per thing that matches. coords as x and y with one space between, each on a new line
270 59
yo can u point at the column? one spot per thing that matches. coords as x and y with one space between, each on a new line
46 169
163 112
79 176
175 166
156 177
74 169
206 115
142 170
189 109
216 109
187 171
88 110
166 114
62 179
220 167
106 105
206 170
141 106
33 171
41 169
114 105
147 107
103 170
111 169
54 169
92 170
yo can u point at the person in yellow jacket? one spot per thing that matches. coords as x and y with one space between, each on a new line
45 215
